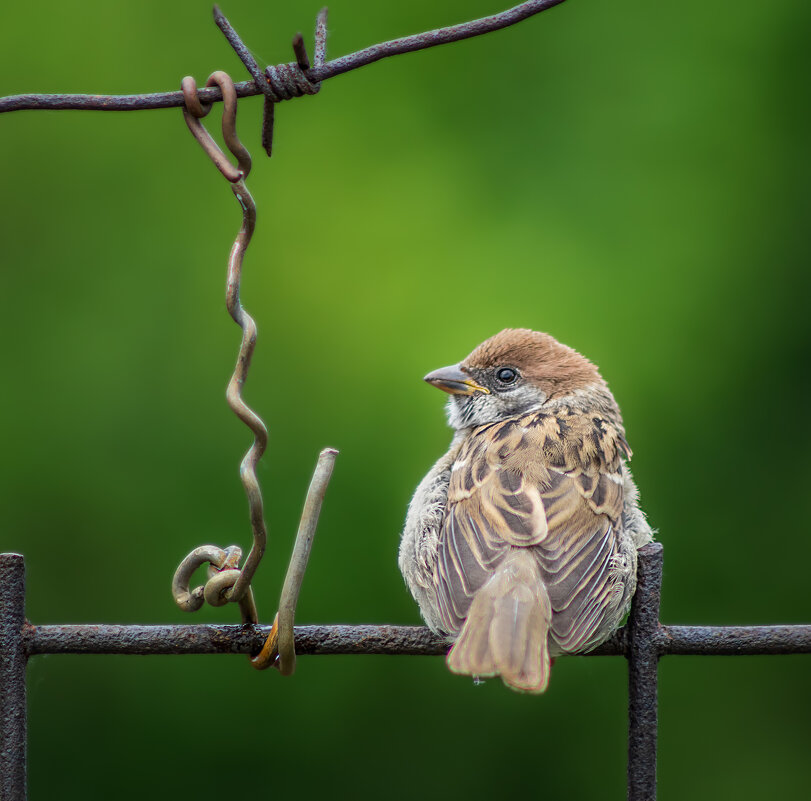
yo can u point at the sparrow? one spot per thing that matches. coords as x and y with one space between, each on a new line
521 542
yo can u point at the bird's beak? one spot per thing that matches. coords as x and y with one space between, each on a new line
454 381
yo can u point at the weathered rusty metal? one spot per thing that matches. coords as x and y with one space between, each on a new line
319 72
643 641
320 51
367 639
440 36
239 47
210 639
643 658
734 640
300 51
13 658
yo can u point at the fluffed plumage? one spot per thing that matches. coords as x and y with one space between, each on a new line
521 541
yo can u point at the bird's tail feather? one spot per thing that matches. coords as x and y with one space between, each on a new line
505 633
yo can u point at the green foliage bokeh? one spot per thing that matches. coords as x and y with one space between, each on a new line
631 177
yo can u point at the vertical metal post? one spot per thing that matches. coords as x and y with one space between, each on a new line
643 659
12 678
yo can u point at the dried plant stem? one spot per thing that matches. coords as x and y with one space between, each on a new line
229 583
281 639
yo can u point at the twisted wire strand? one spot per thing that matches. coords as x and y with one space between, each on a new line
286 81
191 600
226 581
247 469
283 82
223 568
278 82
319 72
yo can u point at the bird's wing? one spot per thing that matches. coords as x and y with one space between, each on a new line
549 483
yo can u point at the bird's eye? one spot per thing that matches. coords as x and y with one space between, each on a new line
506 375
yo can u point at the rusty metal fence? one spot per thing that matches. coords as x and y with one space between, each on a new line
642 642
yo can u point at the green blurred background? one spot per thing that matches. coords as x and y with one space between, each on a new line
631 177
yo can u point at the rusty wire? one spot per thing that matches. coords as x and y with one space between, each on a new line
282 81
320 71
227 582
386 639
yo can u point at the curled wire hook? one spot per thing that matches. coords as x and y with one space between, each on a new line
229 583
223 571
194 111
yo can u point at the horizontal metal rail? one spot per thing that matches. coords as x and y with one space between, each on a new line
642 641
391 640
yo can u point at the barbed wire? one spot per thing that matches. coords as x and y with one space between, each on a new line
283 81
320 71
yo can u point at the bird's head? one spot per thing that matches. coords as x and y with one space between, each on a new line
514 372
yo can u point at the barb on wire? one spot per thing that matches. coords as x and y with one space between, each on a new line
320 50
320 71
280 82
231 584
245 55
281 640
259 79
300 49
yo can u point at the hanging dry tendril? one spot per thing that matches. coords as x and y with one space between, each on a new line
227 582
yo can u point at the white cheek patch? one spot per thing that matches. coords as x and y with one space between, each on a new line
467 411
